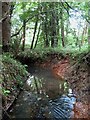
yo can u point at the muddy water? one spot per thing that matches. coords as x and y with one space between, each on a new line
46 83
44 96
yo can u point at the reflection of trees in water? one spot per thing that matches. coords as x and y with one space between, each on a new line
52 89
35 84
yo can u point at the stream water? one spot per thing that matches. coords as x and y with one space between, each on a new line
44 96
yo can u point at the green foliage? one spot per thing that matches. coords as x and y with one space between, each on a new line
5 92
40 54
43 53
12 75
44 10
33 54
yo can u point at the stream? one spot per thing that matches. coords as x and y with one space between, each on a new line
44 96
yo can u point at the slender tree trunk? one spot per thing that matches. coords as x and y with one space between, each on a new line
35 29
67 28
46 29
0 25
0 53
62 28
57 24
37 36
52 29
89 25
6 33
54 22
24 34
46 35
57 30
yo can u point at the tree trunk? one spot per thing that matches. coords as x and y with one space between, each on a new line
54 35
6 33
62 28
36 24
37 37
89 25
46 34
23 38
0 25
67 29
54 28
57 29
46 29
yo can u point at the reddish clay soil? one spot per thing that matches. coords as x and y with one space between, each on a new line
78 77
59 69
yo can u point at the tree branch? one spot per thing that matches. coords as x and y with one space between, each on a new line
70 6
65 8
17 32
87 20
22 26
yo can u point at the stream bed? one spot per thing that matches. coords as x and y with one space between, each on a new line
44 96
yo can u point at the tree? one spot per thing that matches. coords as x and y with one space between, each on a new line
24 27
36 24
52 16
35 28
50 24
6 29
24 34
45 24
89 24
37 36
0 23
62 28
54 25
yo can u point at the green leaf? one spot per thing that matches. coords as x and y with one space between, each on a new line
6 91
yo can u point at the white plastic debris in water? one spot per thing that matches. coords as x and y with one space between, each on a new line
47 96
70 91
25 99
32 77
29 80
73 99
72 96
39 98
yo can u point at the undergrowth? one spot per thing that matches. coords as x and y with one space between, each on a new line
12 75
44 53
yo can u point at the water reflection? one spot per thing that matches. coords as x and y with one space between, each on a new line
51 89
34 84
44 96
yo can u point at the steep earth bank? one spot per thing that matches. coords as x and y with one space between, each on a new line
78 76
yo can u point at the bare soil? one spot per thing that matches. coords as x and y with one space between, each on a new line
78 76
